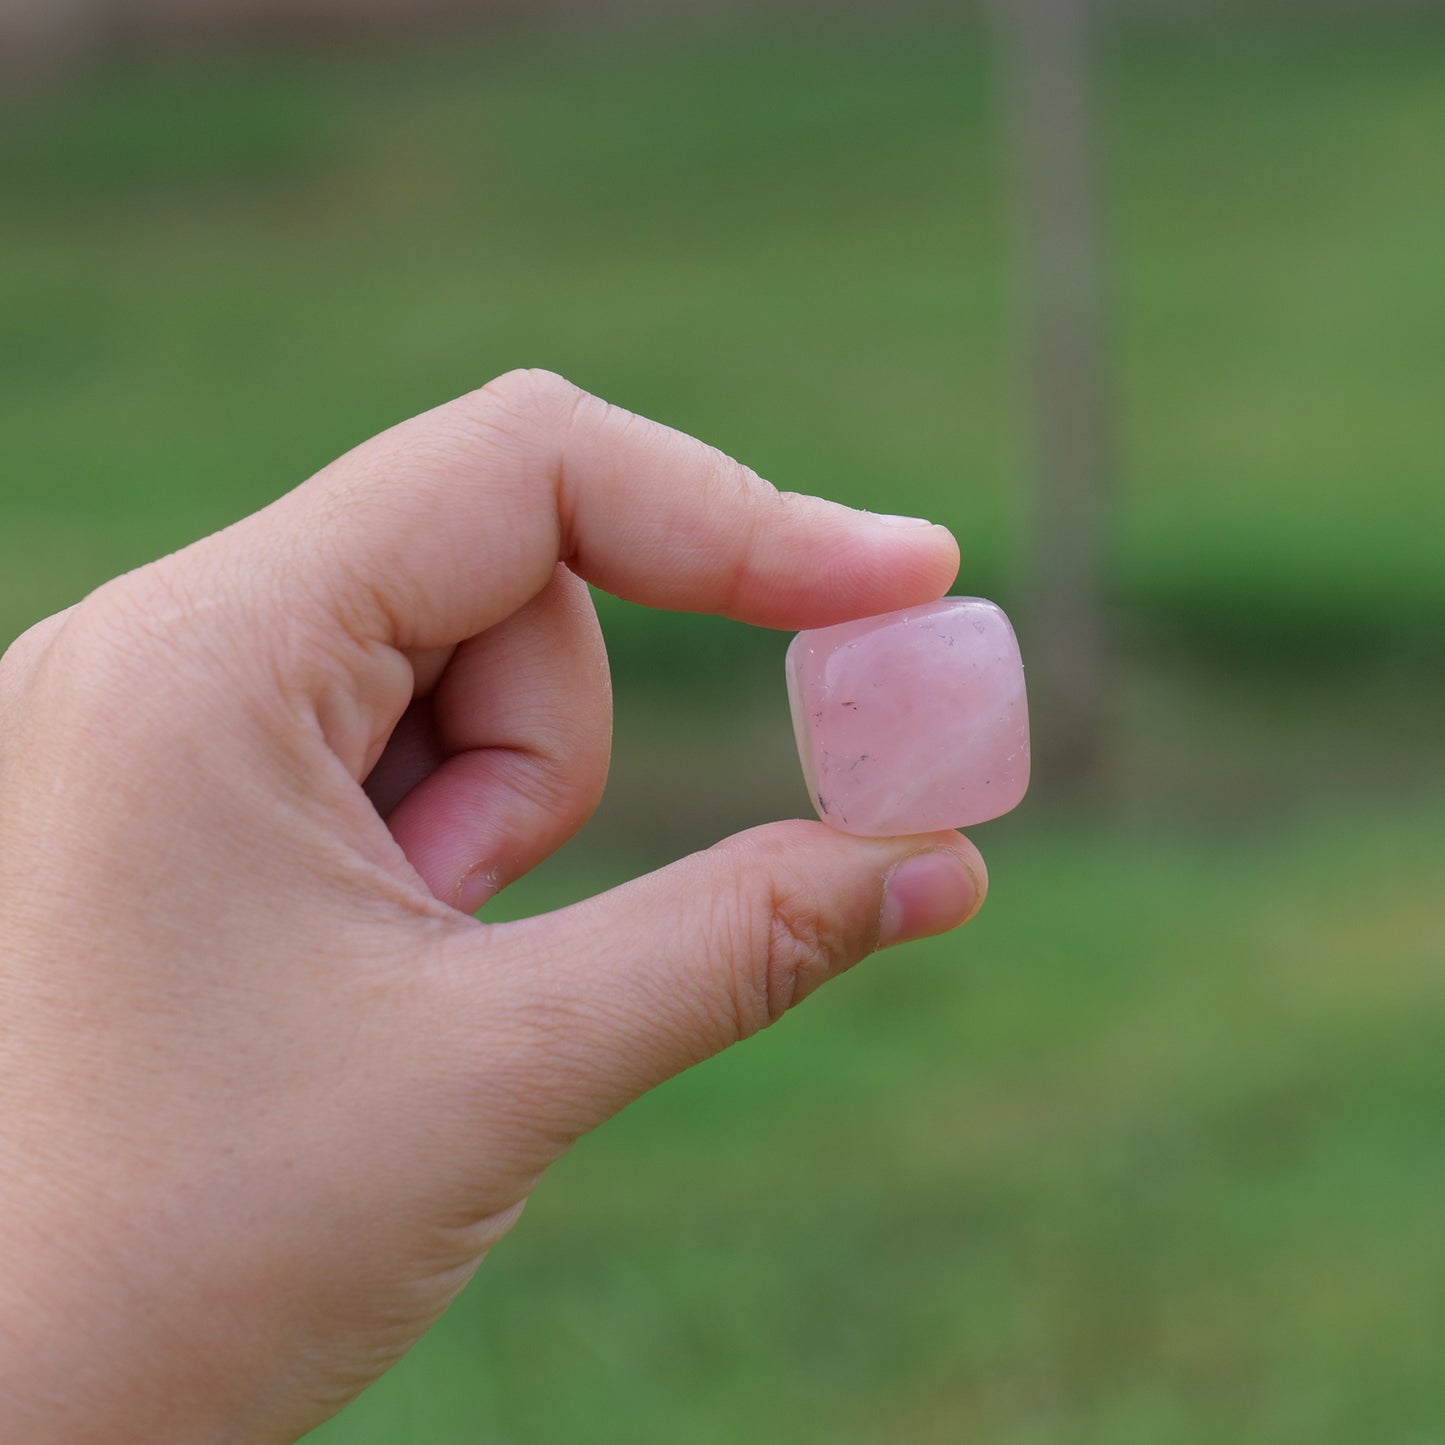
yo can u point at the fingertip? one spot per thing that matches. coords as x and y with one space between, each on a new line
897 520
918 558
931 891
846 564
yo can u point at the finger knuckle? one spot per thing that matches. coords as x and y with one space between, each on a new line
163 647
530 394
519 419
147 617
793 944
19 659
131 621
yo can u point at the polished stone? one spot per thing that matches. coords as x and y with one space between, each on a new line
912 721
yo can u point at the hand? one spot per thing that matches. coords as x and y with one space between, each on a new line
269 1091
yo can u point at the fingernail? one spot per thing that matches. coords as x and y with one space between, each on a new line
926 894
890 520
480 886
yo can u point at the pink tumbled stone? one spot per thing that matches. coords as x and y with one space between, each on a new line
912 721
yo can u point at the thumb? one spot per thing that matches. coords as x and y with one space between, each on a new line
601 1001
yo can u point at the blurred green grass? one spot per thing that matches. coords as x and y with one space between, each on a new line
1152 1153
222 271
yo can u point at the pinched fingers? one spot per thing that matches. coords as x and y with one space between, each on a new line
584 1009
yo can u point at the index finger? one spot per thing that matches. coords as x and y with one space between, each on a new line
442 526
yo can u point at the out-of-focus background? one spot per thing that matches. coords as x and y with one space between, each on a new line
1149 307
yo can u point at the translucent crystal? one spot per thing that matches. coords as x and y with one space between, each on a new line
914 720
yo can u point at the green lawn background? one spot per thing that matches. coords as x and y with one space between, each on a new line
1153 1152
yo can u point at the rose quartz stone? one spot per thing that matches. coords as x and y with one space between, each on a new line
912 721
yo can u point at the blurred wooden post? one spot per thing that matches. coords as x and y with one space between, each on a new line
1046 48
43 42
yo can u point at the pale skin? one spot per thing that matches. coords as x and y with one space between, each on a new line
268 1092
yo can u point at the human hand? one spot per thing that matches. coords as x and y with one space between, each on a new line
269 1092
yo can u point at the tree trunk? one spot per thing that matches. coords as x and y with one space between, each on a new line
1048 68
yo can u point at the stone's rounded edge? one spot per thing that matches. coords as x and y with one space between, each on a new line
1026 734
941 824
1027 745
824 638
987 815
1025 751
881 831
1012 635
949 604
799 650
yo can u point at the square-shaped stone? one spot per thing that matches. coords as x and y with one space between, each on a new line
912 721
